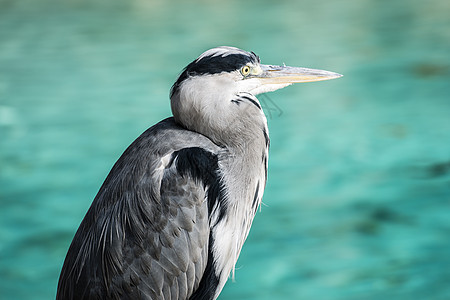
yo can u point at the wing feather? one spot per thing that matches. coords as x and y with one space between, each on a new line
146 235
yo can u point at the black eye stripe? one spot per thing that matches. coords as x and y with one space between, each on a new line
219 64
214 65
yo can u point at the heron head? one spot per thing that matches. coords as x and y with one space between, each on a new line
204 92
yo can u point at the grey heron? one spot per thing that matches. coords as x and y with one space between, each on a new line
171 217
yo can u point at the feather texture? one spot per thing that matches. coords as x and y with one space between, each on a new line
171 218
151 216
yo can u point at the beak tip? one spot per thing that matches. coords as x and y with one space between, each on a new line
333 76
336 75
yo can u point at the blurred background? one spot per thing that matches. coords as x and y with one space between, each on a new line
357 204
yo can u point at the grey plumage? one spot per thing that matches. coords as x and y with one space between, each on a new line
171 217
152 222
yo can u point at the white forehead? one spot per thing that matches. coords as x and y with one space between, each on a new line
222 51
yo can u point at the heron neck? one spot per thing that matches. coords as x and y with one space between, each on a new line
244 171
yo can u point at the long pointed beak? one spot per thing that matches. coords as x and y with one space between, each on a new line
288 75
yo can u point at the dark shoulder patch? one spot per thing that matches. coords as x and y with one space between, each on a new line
198 163
203 165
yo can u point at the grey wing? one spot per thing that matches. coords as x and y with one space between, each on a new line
170 259
146 234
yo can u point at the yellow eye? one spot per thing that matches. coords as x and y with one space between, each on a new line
245 70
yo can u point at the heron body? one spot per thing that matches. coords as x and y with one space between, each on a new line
172 216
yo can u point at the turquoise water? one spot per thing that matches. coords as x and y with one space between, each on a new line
357 204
